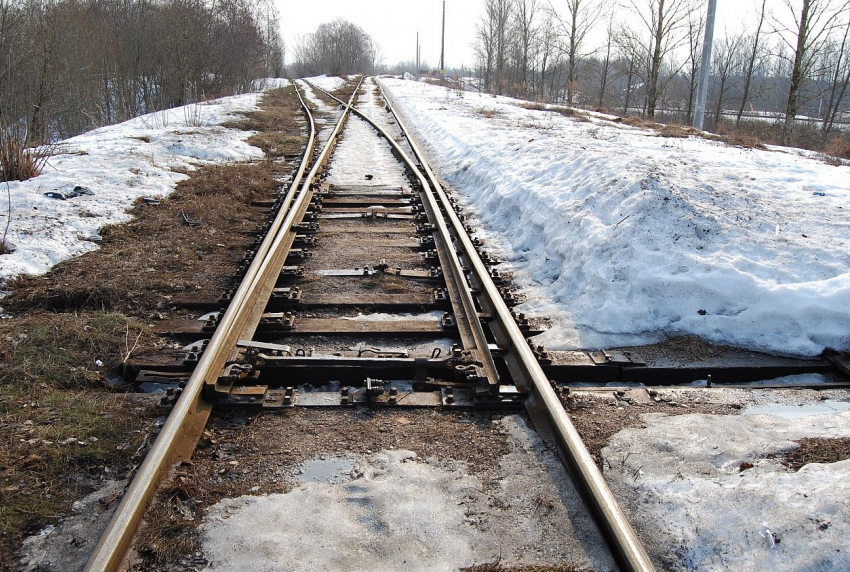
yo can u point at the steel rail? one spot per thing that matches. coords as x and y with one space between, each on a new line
187 420
626 546
453 271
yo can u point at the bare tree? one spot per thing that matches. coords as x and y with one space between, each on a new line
492 44
604 67
580 17
337 48
664 20
70 65
806 38
630 61
723 64
545 57
485 50
839 78
696 29
753 56
525 36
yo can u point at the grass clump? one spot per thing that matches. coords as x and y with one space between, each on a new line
69 351
63 435
279 123
19 159
817 450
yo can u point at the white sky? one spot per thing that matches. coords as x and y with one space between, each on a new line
394 23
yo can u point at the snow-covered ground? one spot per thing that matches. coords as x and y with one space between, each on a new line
624 237
713 486
118 164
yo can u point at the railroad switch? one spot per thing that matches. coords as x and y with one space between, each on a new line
236 372
309 228
304 240
298 254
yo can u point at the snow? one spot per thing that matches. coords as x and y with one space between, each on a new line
393 510
624 237
686 472
327 83
119 164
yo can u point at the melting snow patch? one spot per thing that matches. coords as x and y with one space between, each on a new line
117 165
397 514
720 500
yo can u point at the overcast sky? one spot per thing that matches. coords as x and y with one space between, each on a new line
394 23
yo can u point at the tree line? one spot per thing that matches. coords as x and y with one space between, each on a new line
68 66
791 62
337 48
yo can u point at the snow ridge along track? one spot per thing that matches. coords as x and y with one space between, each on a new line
304 298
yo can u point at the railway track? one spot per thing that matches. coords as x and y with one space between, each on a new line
368 290
362 293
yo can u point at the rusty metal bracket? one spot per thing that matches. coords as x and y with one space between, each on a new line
616 357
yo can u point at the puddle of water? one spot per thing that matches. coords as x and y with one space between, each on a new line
332 471
798 411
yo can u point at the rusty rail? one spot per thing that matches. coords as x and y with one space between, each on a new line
186 423
625 544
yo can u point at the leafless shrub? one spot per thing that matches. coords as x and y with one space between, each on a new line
4 246
838 146
488 113
19 161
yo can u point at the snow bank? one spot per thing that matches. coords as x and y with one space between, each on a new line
624 237
327 83
710 487
119 164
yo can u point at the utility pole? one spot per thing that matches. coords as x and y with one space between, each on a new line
417 55
443 49
705 65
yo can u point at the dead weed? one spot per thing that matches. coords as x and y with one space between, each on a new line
817 450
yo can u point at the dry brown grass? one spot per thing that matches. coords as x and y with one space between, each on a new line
496 567
17 161
388 283
96 309
745 138
488 113
279 123
817 450
676 130
559 109
838 146
635 121
143 264
62 435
